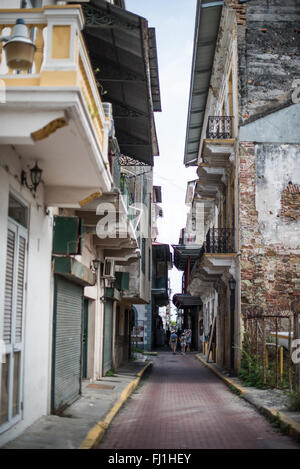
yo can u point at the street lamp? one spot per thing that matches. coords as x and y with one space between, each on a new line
19 49
35 176
232 284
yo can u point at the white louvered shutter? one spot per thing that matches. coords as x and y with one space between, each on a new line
9 284
20 289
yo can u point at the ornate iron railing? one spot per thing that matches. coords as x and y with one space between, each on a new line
219 127
218 241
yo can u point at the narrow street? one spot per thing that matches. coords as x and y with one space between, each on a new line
190 408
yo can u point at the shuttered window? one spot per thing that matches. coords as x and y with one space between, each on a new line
20 289
14 303
14 290
8 294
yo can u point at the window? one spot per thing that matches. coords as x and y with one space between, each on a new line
17 211
13 320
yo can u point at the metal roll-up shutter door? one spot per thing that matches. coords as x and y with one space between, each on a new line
67 343
107 336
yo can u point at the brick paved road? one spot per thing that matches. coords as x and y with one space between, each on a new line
183 405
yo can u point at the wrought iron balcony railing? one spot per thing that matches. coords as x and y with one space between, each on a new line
218 241
219 127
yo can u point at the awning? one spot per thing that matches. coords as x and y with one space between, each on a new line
182 253
121 48
206 34
186 301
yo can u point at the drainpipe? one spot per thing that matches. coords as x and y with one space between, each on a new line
97 326
101 328
99 319
232 284
114 338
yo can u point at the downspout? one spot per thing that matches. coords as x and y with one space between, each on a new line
114 338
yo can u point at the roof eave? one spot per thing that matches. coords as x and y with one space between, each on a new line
204 7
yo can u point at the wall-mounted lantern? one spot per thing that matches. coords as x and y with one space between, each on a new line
19 49
35 176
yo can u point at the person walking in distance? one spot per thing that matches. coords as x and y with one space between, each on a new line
183 343
188 334
173 342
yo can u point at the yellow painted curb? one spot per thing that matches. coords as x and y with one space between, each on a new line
292 426
96 434
227 380
284 420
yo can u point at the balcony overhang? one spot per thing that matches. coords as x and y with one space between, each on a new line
182 301
209 271
160 296
121 46
183 253
110 210
213 265
211 180
53 112
51 125
217 153
73 270
205 40
123 256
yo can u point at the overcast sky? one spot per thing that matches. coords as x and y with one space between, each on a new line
174 21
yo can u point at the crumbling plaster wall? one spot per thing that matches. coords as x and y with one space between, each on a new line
276 167
269 58
269 230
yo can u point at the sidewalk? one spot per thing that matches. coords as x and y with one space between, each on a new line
271 402
84 423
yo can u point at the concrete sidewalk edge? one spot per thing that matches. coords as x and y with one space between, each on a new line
289 425
96 434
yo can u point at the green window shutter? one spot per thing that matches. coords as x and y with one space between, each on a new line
67 235
122 281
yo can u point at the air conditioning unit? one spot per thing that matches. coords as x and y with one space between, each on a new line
109 268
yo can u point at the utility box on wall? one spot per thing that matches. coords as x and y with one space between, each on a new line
67 235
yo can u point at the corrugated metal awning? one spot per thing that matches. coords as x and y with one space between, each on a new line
186 301
206 32
123 53
182 253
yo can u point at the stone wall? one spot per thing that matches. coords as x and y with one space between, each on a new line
269 58
270 261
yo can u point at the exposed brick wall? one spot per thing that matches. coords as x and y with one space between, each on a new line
270 274
240 9
290 202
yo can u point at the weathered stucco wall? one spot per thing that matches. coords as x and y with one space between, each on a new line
269 226
269 57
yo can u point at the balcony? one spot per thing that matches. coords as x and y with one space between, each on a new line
219 127
53 113
216 258
218 146
219 241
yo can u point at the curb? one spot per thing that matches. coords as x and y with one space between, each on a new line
96 434
230 383
291 427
